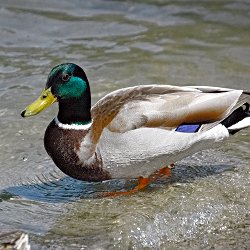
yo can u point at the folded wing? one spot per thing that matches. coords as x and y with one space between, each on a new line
164 106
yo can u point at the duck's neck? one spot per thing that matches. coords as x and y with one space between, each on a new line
75 111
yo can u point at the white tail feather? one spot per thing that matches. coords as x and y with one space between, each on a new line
241 124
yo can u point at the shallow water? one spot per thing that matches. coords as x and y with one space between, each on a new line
205 204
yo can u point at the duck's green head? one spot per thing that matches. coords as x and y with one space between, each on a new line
67 83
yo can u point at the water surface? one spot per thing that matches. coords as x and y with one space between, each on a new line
122 43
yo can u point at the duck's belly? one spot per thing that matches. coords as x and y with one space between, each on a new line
142 151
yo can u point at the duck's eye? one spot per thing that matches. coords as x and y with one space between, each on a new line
65 77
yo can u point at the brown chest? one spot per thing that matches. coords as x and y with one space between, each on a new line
62 146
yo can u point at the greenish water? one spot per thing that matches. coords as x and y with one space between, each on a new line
206 203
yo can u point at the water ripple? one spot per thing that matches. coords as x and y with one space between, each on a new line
205 204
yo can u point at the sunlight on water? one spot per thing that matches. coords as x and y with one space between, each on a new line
205 204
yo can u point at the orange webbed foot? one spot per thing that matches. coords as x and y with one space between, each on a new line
142 182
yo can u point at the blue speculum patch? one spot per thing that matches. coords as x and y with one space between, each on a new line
188 128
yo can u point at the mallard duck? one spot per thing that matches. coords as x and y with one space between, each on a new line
134 131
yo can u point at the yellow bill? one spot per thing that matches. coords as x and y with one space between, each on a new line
44 100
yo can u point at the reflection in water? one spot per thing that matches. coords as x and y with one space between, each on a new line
122 43
54 188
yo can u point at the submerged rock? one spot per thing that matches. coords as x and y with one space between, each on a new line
14 240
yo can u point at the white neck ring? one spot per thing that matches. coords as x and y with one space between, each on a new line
72 126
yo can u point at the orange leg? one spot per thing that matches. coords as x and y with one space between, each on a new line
142 182
165 171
